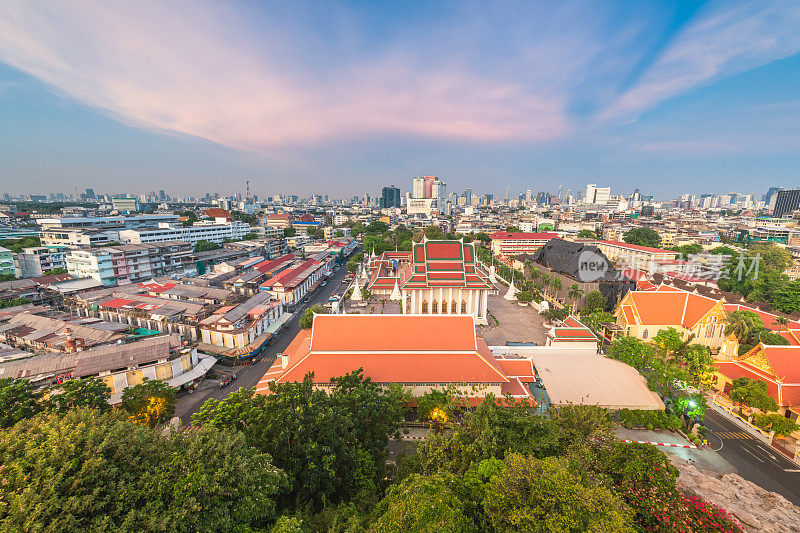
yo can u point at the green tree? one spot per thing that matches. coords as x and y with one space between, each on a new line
773 339
149 403
205 246
14 302
513 229
699 363
782 322
687 249
289 232
743 325
631 351
594 319
307 320
483 237
18 401
54 271
332 447
775 422
423 504
595 301
524 296
339 233
352 266
587 234
86 471
89 392
581 424
773 258
490 430
642 475
434 233
547 495
18 245
575 294
752 393
642 237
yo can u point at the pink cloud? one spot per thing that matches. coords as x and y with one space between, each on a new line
179 68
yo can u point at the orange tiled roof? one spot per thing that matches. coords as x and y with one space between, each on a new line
392 349
670 307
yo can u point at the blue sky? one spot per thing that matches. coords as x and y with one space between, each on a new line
343 98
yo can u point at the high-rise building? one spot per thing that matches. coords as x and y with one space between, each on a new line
786 202
90 193
390 197
597 195
468 197
162 195
529 195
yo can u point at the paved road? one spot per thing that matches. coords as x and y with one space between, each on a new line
754 460
249 375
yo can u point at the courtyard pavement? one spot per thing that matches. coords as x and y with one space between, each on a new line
508 321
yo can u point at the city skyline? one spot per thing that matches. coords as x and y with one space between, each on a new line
669 97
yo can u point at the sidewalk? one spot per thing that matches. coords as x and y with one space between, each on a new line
704 458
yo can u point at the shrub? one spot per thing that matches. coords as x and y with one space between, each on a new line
649 419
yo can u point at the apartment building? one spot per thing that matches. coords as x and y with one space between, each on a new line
211 232
291 285
77 237
116 265
92 263
37 260
641 257
511 244
243 330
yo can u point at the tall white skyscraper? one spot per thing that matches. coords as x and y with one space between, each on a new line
597 195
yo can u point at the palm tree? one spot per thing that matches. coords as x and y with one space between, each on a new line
743 325
781 322
575 294
545 279
555 283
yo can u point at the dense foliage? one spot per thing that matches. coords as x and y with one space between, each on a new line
150 403
331 446
758 276
18 245
307 320
91 472
319 460
642 237
205 246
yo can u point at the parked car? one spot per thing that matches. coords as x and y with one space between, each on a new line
323 283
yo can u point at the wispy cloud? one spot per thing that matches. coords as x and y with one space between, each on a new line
726 38
510 73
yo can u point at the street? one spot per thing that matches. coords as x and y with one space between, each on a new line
249 375
753 459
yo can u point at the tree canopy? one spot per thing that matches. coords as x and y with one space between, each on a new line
89 472
307 320
149 403
642 237
331 446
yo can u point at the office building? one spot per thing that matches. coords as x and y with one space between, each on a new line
786 202
125 203
597 195
390 197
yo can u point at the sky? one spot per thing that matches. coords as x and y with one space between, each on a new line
342 98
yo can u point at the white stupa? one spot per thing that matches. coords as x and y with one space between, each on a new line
395 296
492 275
356 296
512 291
